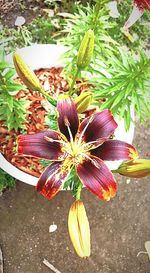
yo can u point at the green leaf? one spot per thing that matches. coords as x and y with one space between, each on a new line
6 181
9 74
3 65
10 103
2 55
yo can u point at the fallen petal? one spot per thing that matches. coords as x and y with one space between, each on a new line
52 228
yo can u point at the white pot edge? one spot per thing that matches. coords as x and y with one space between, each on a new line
48 56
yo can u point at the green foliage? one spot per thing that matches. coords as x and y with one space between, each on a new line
117 76
6 181
38 31
51 120
12 111
41 30
125 84
73 182
45 163
95 18
11 38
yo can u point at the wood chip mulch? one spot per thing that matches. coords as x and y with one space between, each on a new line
52 82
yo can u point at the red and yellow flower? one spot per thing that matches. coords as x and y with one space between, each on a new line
83 146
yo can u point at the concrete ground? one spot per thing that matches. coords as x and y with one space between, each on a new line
119 228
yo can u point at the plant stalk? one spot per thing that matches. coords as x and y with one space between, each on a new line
78 193
48 97
74 80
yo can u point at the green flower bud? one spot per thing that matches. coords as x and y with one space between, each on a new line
83 101
29 78
135 168
25 73
86 50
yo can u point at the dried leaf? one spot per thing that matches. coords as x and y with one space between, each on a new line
51 266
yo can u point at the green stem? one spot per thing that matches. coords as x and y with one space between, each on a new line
48 97
97 10
74 80
78 193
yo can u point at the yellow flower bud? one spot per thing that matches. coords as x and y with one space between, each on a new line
25 73
86 50
79 229
135 168
83 101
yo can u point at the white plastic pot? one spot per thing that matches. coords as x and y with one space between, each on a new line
46 56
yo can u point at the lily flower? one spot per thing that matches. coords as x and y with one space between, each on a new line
137 12
83 146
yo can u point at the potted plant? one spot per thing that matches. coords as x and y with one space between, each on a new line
83 142
51 56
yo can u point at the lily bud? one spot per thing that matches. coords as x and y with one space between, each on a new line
83 101
86 50
25 73
135 168
79 229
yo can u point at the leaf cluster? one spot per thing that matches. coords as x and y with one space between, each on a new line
6 181
125 84
51 120
89 17
73 182
38 31
118 76
12 111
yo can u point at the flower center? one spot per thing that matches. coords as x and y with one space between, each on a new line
76 151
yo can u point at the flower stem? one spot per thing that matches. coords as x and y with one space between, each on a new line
97 10
78 193
74 80
48 97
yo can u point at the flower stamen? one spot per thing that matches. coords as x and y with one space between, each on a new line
86 126
67 124
54 140
88 145
92 160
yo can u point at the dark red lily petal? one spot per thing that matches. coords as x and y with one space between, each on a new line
37 145
115 150
100 125
95 175
52 178
67 116
142 4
